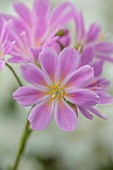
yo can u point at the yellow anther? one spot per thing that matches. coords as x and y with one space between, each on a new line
58 84
62 95
59 97
56 92
50 92
63 91
52 88
53 96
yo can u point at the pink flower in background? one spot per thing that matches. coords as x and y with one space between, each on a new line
99 84
58 88
93 37
5 45
37 28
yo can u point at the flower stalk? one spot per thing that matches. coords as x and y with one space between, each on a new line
26 133
23 142
14 73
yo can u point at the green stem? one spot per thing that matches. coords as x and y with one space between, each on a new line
18 80
26 133
23 142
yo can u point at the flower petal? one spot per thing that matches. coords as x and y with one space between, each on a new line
82 97
1 24
18 59
67 63
104 47
98 67
105 98
65 116
100 82
80 78
6 31
41 115
28 96
19 27
41 7
104 50
23 12
86 113
97 113
7 16
60 13
33 75
48 60
2 64
79 25
87 56
105 57
40 29
8 47
93 33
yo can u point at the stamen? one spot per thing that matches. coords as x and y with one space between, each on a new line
56 92
53 96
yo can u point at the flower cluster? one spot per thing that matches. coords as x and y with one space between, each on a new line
65 78
5 45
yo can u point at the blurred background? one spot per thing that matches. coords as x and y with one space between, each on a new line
90 147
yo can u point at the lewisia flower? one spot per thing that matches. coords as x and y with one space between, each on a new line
37 28
99 84
93 37
5 45
58 88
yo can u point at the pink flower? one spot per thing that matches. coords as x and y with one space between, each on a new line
99 84
93 37
37 28
58 88
5 45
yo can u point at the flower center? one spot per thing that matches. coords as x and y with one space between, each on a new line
56 92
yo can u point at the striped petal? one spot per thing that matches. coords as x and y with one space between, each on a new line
67 63
6 31
85 112
28 96
81 77
97 113
61 14
48 60
1 24
41 115
41 7
82 97
65 116
23 11
33 75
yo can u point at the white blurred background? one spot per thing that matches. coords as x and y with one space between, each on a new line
90 147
